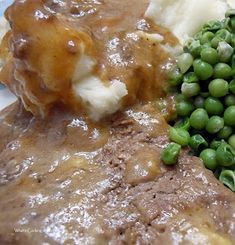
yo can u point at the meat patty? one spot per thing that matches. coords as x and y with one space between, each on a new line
70 181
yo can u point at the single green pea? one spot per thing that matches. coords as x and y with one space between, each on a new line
179 136
225 132
197 141
190 77
190 89
215 124
224 34
210 55
229 116
227 177
225 51
170 154
218 87
202 69
199 119
198 35
222 70
208 157
216 143
175 77
199 102
231 141
193 47
207 37
180 97
213 106
232 86
184 62
183 123
215 41
184 108
229 100
225 155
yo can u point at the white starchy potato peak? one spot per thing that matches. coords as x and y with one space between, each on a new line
231 3
99 99
185 17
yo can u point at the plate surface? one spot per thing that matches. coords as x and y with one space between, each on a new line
6 97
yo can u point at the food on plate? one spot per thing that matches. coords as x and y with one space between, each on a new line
82 151
205 100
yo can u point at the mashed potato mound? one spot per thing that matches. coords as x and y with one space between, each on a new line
185 17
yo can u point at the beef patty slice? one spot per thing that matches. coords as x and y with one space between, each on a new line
68 181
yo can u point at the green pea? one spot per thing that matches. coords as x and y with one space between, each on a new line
179 136
184 108
198 35
199 102
170 154
227 177
207 37
233 59
215 124
232 23
208 157
225 51
218 87
215 41
190 89
225 132
225 155
197 141
213 106
183 123
224 34
190 77
175 77
215 144
222 70
233 40
229 100
229 116
232 86
231 141
193 47
184 62
199 119
180 97
210 55
202 69
212 25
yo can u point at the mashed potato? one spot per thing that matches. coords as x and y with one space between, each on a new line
185 17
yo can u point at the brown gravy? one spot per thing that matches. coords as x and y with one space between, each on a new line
45 44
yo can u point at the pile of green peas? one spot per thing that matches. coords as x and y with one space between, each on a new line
204 81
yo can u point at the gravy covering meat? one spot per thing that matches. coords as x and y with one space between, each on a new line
68 179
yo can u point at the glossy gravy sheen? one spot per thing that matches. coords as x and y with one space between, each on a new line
49 37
